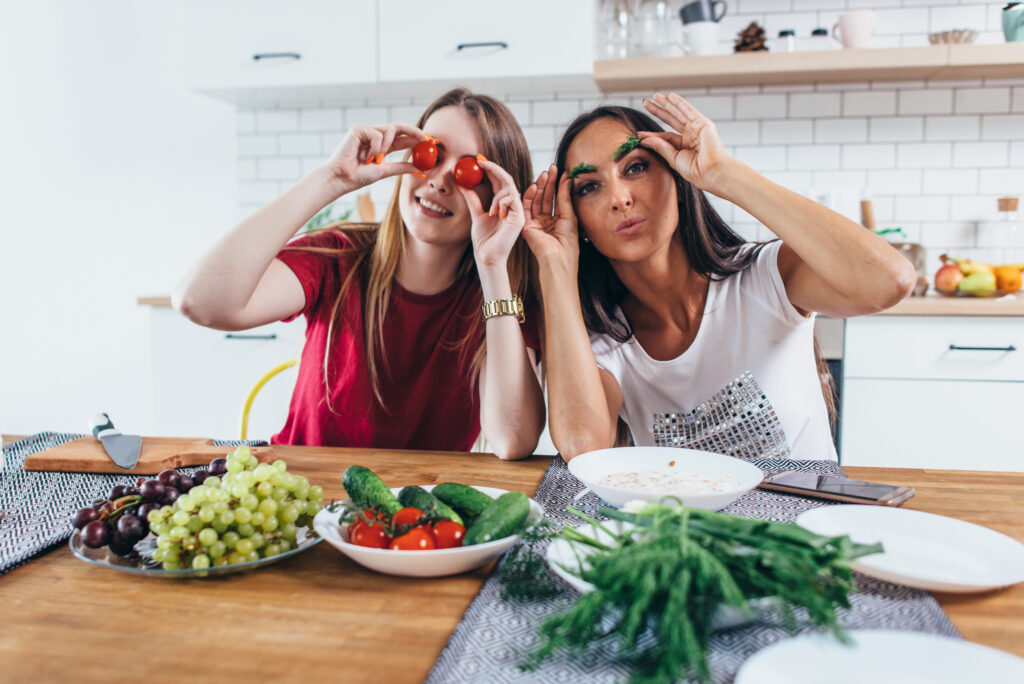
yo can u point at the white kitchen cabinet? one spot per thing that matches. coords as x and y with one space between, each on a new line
462 39
201 377
247 44
933 392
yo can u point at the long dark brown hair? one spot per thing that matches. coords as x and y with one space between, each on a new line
713 249
376 250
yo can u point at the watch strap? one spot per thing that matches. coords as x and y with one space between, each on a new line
504 307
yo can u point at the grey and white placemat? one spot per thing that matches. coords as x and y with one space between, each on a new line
490 642
38 506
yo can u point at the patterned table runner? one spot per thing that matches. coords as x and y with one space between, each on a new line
38 506
489 642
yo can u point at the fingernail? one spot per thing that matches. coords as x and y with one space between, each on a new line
501 216
419 175
369 160
491 212
380 158
481 157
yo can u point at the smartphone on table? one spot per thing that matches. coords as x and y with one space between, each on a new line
836 488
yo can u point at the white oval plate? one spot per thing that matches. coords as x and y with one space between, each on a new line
593 466
434 563
565 559
879 655
923 550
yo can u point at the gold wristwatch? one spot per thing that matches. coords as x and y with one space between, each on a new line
504 307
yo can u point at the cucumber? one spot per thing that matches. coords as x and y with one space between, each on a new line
420 498
466 501
504 516
365 487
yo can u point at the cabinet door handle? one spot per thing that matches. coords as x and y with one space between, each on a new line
233 336
1007 348
276 55
494 43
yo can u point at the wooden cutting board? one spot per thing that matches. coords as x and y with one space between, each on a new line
86 455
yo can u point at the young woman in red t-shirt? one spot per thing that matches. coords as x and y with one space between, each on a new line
409 341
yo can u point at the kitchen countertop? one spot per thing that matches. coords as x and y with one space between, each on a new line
318 616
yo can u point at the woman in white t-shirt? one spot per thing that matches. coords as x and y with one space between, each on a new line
658 313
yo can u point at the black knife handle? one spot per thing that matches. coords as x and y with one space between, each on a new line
101 423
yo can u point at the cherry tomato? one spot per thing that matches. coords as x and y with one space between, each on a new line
415 539
468 173
448 534
372 536
407 516
364 515
424 155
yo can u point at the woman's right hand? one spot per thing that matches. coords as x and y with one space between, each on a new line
550 229
348 162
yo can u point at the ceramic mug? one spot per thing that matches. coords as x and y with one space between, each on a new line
854 29
701 38
702 11
1013 23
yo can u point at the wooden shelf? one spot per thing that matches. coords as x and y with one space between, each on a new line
946 62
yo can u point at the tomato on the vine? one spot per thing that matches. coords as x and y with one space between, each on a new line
415 539
424 155
373 536
448 534
468 173
406 516
367 514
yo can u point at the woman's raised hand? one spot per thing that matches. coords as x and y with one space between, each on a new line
360 158
494 231
550 229
694 150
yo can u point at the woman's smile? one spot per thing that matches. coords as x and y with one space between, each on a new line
432 209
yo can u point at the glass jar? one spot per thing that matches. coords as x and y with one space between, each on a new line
820 40
786 41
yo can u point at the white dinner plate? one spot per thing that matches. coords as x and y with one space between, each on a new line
567 560
432 563
879 655
735 477
923 550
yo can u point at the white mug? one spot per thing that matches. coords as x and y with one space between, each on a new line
701 38
855 28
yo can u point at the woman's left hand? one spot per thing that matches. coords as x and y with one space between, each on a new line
496 230
694 150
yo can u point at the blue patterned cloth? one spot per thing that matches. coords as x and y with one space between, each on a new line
489 642
38 506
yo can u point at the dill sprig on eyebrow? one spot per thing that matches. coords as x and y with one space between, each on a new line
632 142
582 167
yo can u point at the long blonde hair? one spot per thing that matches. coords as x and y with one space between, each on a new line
376 251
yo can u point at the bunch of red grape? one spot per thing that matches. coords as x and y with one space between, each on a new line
121 520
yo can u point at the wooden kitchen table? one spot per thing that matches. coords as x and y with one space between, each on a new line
318 617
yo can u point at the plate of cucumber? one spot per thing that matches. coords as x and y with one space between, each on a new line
481 543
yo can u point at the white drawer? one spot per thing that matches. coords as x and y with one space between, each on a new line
935 347
932 424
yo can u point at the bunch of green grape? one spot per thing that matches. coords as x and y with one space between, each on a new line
254 511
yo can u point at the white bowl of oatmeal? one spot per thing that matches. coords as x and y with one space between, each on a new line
700 479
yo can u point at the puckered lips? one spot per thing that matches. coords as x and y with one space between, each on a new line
433 209
630 226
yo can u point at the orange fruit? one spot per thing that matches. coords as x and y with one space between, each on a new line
1008 278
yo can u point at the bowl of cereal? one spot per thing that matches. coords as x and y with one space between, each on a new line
700 479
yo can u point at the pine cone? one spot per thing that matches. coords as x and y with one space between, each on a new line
750 39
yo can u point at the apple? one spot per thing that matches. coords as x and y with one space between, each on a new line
948 277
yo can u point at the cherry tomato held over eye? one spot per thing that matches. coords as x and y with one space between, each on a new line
373 536
424 155
468 173
448 534
416 539
406 516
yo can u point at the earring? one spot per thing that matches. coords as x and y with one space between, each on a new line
586 239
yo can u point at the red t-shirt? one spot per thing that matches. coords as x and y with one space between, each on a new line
429 400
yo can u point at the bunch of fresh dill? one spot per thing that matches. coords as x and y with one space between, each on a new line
671 568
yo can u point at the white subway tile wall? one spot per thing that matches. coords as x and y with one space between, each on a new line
933 156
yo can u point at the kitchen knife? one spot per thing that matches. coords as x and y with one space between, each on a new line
123 450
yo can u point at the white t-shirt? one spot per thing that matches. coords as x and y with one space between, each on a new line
750 325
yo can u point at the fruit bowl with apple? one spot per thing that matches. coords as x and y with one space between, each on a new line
966 277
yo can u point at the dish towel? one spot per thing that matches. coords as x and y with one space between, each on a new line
494 634
38 506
